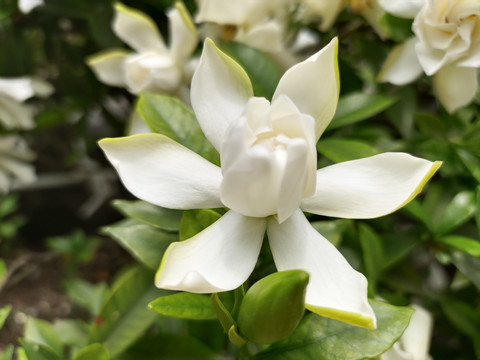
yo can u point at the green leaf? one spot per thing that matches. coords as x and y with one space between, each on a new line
184 306
477 216
164 219
42 333
3 271
463 316
339 150
359 106
373 254
194 221
4 312
402 113
325 339
34 351
469 266
262 70
71 332
223 314
458 211
467 245
8 204
7 353
471 162
93 351
333 229
169 116
90 296
416 209
397 29
144 242
125 315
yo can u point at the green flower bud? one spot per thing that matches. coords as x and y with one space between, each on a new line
273 307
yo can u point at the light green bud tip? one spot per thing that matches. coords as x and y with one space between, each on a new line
273 307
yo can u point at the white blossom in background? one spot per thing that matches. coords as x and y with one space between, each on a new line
26 6
267 177
15 158
152 66
415 341
446 46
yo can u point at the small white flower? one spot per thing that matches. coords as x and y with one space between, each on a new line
267 177
446 46
14 162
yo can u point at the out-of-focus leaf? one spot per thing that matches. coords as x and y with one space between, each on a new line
4 312
144 242
262 70
34 351
416 209
90 296
3 271
169 116
184 306
471 162
465 244
8 204
339 150
431 125
359 106
125 315
396 28
397 246
332 230
458 211
165 219
194 221
402 113
477 216
324 339
7 353
71 332
93 351
373 254
463 316
41 332
469 266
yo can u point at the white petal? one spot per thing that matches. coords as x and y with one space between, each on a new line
268 36
156 169
183 34
327 10
455 86
14 115
416 338
220 91
137 29
26 6
369 187
219 258
335 289
109 67
402 8
313 85
232 12
401 66
19 89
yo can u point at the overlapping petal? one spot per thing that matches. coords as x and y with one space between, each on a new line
455 86
15 115
335 289
157 169
313 85
19 88
220 90
183 34
137 29
219 258
402 8
232 12
109 66
369 187
402 65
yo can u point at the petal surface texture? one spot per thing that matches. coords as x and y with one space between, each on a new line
157 169
220 91
219 258
109 67
335 289
369 187
455 86
313 85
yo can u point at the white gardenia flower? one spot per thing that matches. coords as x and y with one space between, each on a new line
26 6
446 46
267 177
14 114
153 66
14 162
415 341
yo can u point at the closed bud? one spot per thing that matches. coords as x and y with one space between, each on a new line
273 307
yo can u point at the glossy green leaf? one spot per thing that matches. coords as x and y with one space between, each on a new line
359 106
7 353
373 254
325 339
144 242
125 315
4 312
339 150
42 333
223 314
165 219
458 211
169 116
88 295
184 305
333 229
469 266
194 221
93 351
262 70
467 245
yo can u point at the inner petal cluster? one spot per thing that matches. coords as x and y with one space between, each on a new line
268 159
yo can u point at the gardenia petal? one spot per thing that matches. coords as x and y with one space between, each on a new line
219 258
232 12
335 289
220 90
183 34
402 8
109 67
268 36
157 169
369 187
137 29
14 115
455 86
314 85
401 66
19 89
